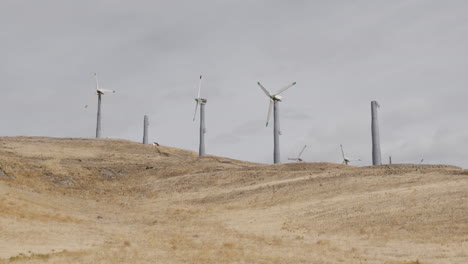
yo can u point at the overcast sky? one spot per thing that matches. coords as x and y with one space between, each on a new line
409 55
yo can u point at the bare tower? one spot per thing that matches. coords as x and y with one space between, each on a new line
145 129
376 153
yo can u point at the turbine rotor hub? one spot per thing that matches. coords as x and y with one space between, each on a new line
276 97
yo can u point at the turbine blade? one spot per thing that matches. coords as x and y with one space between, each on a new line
106 91
97 82
196 108
264 89
285 88
342 152
301 151
199 87
269 112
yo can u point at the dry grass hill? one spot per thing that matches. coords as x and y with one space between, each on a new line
115 201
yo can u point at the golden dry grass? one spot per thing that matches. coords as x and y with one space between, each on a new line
115 201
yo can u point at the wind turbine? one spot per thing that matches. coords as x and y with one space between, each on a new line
298 159
275 98
345 159
376 153
99 92
201 101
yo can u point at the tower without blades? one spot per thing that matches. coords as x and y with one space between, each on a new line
376 153
145 129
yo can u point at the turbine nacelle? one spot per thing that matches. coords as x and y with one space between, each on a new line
276 97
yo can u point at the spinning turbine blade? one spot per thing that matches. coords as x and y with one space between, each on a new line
264 89
106 91
301 151
342 152
285 88
101 90
269 112
196 108
97 82
198 98
199 87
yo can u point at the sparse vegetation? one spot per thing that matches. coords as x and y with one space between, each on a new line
130 204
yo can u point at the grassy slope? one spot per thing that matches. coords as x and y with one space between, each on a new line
115 201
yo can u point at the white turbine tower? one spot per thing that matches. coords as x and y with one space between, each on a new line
376 153
275 98
299 159
99 92
145 129
201 101
345 159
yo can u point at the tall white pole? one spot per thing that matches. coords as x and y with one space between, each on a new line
376 153
276 132
145 129
98 125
